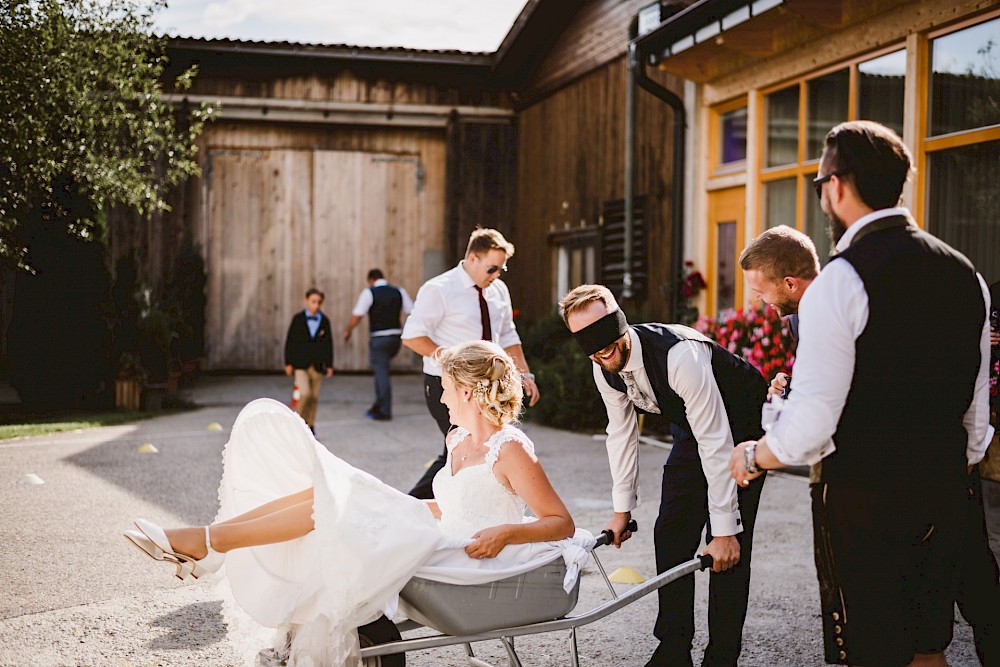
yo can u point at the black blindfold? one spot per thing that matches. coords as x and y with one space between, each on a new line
598 335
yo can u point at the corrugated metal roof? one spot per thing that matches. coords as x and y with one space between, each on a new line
308 50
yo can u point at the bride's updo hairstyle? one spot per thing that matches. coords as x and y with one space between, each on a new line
490 373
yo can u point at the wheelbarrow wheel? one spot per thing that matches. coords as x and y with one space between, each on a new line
381 631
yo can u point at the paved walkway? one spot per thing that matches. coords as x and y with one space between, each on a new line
73 592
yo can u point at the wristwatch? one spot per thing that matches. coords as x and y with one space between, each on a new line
750 458
528 375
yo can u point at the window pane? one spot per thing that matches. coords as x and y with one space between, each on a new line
962 203
733 146
779 203
725 291
880 90
815 221
783 127
576 264
965 81
828 106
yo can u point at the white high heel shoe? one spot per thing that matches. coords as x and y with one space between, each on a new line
156 553
196 567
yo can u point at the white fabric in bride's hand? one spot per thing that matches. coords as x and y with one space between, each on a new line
449 564
369 539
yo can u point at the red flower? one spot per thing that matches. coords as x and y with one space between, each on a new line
760 336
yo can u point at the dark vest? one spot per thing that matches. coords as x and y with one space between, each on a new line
387 303
915 367
742 387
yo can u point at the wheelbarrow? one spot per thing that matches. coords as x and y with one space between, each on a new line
531 603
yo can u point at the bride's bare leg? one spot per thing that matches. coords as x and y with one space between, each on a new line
286 524
271 507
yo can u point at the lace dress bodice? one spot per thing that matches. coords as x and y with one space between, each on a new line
473 498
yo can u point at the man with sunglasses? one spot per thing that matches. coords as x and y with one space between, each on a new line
891 400
468 302
712 400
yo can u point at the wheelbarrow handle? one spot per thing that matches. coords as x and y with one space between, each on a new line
607 537
706 562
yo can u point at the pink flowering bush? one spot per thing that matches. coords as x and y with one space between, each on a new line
994 374
759 336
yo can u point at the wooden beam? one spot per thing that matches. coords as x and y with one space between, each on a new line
769 34
873 33
277 110
828 14
706 61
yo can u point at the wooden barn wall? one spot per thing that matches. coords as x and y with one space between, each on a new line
597 34
571 147
482 180
319 80
261 165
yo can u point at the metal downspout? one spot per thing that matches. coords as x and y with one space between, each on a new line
630 81
637 62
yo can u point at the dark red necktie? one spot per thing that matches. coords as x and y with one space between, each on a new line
484 315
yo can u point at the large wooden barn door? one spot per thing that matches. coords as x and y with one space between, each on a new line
281 221
368 212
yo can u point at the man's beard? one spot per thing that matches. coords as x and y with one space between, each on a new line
618 363
835 228
784 308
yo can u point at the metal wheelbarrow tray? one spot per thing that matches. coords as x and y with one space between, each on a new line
527 604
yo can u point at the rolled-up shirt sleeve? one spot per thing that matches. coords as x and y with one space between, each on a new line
428 311
689 369
363 304
622 443
832 314
407 307
977 418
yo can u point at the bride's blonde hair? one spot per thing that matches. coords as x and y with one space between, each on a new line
490 373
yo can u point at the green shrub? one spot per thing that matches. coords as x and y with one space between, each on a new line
565 377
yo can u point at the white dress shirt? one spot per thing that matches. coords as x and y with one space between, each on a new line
313 322
447 312
365 301
689 373
832 315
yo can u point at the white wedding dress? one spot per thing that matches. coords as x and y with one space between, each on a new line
369 538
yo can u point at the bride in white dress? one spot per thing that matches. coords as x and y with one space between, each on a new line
317 548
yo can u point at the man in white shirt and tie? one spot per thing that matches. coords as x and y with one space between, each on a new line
711 399
466 303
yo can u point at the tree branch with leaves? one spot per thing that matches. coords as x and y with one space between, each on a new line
81 99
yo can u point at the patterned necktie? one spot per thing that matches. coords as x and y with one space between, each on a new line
484 315
635 394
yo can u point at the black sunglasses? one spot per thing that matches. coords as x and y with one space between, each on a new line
818 182
493 269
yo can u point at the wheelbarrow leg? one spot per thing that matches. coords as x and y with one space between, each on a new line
508 643
572 648
473 660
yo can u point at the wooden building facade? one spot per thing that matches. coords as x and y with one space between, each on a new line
326 161
569 91
768 78
322 163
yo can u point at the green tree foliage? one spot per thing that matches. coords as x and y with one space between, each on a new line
81 98
565 377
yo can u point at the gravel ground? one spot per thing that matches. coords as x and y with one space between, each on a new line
73 592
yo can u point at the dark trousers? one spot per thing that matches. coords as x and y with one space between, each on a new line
381 350
439 411
683 516
979 590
